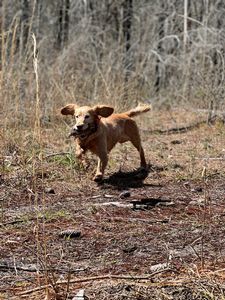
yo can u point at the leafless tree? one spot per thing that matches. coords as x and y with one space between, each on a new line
116 50
63 23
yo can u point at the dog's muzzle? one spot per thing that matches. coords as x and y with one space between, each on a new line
79 133
83 133
73 132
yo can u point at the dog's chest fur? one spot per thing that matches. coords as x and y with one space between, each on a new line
87 144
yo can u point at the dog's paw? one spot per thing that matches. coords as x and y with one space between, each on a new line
98 178
79 154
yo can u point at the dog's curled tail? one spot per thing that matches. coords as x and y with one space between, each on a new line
141 108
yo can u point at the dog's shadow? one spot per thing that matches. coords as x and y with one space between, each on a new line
131 179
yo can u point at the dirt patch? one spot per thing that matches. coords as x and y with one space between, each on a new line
169 245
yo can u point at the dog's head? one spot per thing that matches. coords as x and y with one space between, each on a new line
85 116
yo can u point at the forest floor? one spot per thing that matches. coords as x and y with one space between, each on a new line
137 235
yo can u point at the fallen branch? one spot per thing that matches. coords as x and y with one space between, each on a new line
94 278
210 158
216 271
16 221
57 154
173 130
20 221
182 129
6 268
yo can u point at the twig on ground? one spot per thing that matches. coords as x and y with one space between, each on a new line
57 154
210 158
122 219
6 268
182 129
94 278
15 222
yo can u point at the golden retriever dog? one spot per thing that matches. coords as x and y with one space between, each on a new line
98 129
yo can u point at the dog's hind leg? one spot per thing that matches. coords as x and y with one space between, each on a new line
134 136
138 146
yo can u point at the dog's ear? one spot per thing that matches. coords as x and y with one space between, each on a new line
69 109
103 111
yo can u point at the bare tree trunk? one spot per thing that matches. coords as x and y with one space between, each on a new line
97 21
127 26
24 26
159 67
39 13
127 7
2 13
185 24
63 23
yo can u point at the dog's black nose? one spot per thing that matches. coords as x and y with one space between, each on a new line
79 127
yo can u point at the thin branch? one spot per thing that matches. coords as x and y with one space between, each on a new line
94 278
16 221
6 268
173 130
210 158
185 23
57 154
35 66
182 129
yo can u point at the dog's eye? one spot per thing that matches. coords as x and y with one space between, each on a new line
77 117
87 116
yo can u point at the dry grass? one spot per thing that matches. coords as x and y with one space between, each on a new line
114 240
91 66
44 189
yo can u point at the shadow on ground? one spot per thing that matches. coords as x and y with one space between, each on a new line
131 179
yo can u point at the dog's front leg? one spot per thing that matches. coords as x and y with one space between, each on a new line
79 151
80 155
102 163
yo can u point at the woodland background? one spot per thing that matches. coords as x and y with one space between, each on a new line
119 52
170 53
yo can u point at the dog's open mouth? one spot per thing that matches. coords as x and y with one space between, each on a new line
82 134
